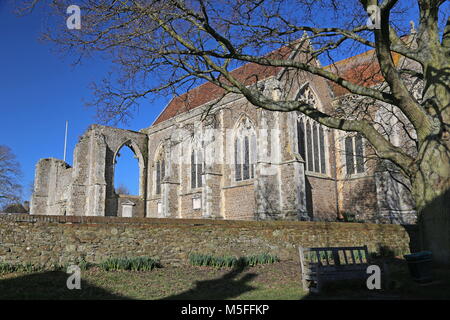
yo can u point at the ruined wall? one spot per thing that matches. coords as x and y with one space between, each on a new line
52 182
51 240
88 187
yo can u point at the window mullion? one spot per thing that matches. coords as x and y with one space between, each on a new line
354 154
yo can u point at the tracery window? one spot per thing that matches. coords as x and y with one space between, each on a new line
311 135
244 151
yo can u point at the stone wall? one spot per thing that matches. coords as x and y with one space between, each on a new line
51 240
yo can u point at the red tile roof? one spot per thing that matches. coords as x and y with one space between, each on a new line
249 73
362 69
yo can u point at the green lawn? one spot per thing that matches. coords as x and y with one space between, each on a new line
274 281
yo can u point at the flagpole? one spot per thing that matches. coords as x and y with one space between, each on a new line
65 141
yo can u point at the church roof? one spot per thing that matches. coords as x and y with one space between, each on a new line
249 73
362 69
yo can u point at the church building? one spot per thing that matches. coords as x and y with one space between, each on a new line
213 155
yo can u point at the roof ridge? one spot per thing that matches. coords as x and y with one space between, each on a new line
349 58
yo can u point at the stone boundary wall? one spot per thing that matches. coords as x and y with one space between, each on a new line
49 240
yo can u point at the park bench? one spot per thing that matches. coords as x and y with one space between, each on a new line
320 265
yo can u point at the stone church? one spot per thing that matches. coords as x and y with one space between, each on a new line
214 155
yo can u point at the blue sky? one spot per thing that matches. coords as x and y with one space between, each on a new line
40 90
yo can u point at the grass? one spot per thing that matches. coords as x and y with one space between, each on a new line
133 264
263 281
207 260
26 267
110 264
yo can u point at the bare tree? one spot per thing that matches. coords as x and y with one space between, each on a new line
16 208
122 189
169 46
10 174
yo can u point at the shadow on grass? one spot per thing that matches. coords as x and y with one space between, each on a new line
50 285
225 287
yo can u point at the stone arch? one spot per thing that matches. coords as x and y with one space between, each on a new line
114 140
141 162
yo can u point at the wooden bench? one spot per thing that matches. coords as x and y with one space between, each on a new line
320 265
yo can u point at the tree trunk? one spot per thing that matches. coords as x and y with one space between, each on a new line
431 191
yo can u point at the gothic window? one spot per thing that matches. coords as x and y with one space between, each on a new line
310 136
244 151
160 171
196 169
354 154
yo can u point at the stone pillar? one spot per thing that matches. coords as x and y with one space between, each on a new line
96 182
280 182
394 201
41 187
267 184
170 184
211 194
88 190
293 191
212 175
169 198
52 180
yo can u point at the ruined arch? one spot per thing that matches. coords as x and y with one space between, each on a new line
91 186
132 145
115 140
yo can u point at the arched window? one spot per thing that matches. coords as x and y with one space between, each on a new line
244 151
160 170
126 172
310 135
354 154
